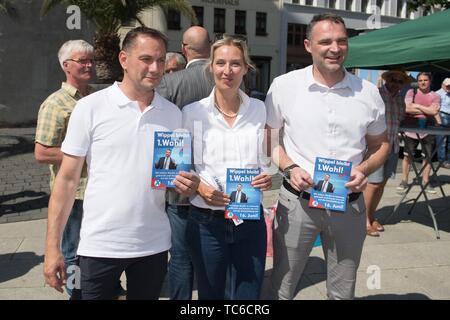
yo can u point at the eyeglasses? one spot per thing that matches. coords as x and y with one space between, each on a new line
83 62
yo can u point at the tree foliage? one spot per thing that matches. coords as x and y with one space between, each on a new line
7 8
428 5
108 16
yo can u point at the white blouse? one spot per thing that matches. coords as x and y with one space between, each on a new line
217 146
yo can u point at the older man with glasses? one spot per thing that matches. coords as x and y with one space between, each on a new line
395 112
76 60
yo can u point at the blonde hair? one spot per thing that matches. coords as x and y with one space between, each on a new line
239 43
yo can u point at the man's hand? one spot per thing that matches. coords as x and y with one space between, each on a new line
358 181
300 179
186 183
262 181
212 196
54 269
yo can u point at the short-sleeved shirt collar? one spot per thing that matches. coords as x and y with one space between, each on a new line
343 84
122 100
74 92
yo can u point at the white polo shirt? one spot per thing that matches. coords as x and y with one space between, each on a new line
123 216
319 121
218 147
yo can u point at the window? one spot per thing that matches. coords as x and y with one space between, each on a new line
348 5
239 22
399 8
261 24
332 4
296 34
309 2
295 1
173 20
219 20
199 13
364 5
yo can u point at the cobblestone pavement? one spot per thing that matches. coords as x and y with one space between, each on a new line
24 187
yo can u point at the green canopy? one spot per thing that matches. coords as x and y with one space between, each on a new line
417 45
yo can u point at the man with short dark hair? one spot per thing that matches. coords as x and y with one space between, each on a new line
238 195
322 111
421 105
324 185
166 162
125 228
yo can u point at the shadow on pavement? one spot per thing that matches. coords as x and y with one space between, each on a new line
15 145
15 265
419 214
26 204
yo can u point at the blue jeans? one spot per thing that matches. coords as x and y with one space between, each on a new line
71 237
229 260
444 148
181 273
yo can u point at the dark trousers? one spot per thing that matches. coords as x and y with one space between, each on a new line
228 260
145 276
181 273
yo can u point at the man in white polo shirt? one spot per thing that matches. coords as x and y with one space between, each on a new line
324 111
124 227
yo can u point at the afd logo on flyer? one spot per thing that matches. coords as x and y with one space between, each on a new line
329 191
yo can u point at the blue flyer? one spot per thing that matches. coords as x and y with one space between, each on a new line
329 191
171 154
245 199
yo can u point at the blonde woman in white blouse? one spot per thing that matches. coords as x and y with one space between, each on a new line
228 131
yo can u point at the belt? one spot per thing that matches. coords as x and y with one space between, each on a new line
221 213
305 195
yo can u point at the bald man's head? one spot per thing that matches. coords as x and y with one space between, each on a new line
196 43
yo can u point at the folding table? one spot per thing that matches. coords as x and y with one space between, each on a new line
431 130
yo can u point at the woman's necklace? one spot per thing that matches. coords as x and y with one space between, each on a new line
227 114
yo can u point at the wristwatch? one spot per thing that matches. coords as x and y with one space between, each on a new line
287 170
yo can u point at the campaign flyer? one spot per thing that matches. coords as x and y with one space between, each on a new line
171 154
329 191
245 199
